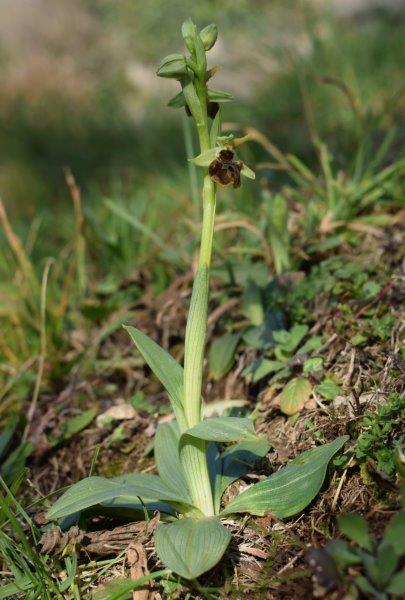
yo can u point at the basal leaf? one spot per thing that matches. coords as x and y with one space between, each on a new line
190 547
294 395
149 486
214 463
224 429
85 493
96 490
292 488
222 355
238 459
166 369
167 457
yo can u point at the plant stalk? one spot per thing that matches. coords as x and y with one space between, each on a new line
198 476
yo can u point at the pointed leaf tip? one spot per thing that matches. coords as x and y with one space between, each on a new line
190 547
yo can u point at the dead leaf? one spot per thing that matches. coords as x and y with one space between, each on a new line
119 412
138 567
253 551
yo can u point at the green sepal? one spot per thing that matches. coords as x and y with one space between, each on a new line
215 129
173 66
219 96
178 101
209 36
247 172
189 33
205 158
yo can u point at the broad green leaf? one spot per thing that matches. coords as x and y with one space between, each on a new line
313 364
205 158
313 343
381 569
289 340
252 303
166 369
292 488
75 424
85 493
96 490
355 527
167 457
395 533
238 459
133 509
224 429
190 547
214 462
222 355
149 486
294 395
266 367
365 586
328 389
342 554
397 584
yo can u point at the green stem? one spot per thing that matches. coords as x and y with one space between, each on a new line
195 450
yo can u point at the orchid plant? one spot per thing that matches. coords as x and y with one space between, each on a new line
194 458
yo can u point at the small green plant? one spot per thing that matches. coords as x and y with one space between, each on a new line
194 468
375 568
382 434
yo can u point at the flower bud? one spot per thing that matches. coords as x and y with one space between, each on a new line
172 66
189 32
209 36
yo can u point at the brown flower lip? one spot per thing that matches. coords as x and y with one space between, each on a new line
225 169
